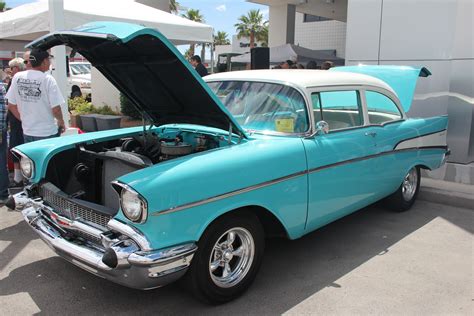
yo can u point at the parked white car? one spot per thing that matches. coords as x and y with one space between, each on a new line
79 79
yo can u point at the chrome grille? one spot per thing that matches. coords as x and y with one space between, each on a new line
88 236
64 206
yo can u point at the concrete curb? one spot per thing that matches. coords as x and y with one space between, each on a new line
449 193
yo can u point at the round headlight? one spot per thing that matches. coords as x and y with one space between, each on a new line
27 167
133 206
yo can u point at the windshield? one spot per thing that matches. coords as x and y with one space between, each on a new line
80 69
263 107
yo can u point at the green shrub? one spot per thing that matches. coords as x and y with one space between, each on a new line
127 108
79 106
106 110
84 108
76 102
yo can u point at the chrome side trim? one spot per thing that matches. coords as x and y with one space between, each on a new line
229 194
423 138
278 180
131 232
345 162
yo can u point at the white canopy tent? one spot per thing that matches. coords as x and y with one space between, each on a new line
295 53
30 21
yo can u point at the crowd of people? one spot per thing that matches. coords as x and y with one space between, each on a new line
312 64
30 110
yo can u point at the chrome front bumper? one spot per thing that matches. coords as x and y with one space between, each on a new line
127 261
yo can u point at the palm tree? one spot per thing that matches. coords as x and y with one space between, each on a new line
174 6
264 36
203 50
253 26
221 38
193 15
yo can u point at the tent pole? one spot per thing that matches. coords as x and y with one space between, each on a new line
56 22
212 58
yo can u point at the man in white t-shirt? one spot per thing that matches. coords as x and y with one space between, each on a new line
35 99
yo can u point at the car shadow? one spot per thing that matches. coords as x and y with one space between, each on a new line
291 271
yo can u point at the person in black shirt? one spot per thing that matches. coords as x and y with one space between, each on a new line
197 64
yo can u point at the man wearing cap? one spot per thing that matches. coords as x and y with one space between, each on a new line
35 99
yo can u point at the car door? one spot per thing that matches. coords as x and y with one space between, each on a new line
340 177
386 119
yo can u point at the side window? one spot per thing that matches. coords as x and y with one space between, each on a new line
381 108
340 109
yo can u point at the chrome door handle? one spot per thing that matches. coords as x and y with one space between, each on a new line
373 134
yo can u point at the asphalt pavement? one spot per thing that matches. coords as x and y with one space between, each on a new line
371 262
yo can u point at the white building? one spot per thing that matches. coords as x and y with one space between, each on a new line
431 33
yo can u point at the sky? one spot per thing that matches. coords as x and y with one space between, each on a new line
223 14
220 14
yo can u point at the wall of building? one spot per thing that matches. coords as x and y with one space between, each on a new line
434 34
103 92
321 35
281 24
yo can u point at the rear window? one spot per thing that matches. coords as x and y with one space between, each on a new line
381 109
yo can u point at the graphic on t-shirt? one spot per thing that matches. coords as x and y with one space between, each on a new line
29 90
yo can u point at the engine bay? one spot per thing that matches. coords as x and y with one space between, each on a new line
85 172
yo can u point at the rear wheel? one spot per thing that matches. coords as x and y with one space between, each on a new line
403 199
229 255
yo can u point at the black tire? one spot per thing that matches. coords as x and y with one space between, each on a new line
400 201
204 283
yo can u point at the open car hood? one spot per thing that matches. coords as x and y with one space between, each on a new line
149 70
402 79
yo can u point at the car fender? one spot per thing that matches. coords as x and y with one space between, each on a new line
185 195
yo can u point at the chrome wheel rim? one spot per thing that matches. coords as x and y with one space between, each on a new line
231 257
410 184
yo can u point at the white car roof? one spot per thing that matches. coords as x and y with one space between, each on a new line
303 78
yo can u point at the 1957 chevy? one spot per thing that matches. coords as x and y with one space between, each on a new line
222 164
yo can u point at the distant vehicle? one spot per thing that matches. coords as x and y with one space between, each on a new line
79 79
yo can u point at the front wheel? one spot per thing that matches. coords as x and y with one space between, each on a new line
403 199
228 258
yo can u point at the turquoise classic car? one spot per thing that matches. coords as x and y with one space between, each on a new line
222 163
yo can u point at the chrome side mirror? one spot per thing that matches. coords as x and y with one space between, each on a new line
322 128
